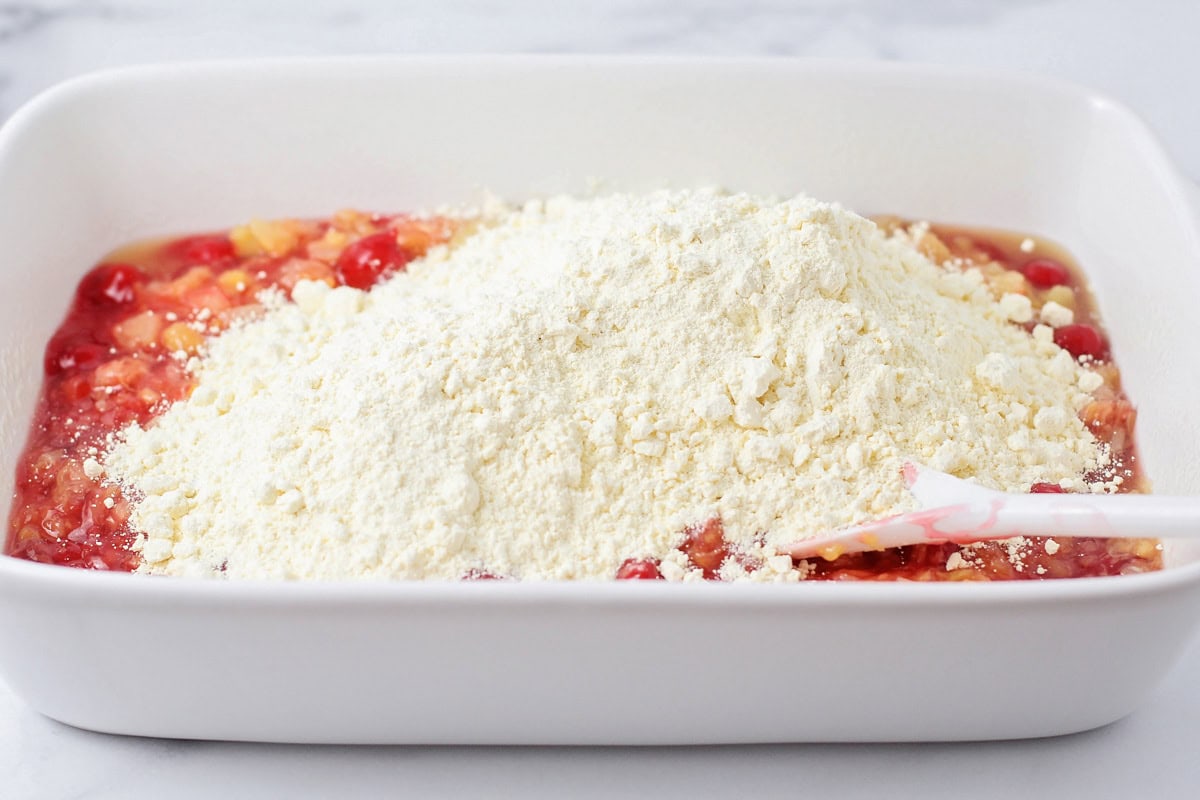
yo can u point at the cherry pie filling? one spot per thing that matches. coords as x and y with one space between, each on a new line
120 357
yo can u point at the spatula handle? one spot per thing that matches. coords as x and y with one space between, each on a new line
1100 515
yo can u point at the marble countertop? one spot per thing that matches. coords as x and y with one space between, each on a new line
1143 54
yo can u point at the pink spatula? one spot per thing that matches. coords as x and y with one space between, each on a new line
954 510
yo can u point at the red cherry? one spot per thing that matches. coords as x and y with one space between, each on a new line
705 547
76 388
371 258
110 285
1046 488
1081 340
63 355
1045 272
638 569
201 250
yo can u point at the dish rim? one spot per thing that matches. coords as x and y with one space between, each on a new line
67 582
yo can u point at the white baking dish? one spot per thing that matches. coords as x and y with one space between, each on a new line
128 154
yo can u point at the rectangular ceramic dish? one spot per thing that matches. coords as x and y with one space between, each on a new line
128 154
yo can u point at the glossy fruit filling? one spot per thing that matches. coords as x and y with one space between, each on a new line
121 354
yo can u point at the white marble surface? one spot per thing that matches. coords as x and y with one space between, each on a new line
1142 53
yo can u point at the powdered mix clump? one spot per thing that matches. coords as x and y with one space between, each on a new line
577 381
